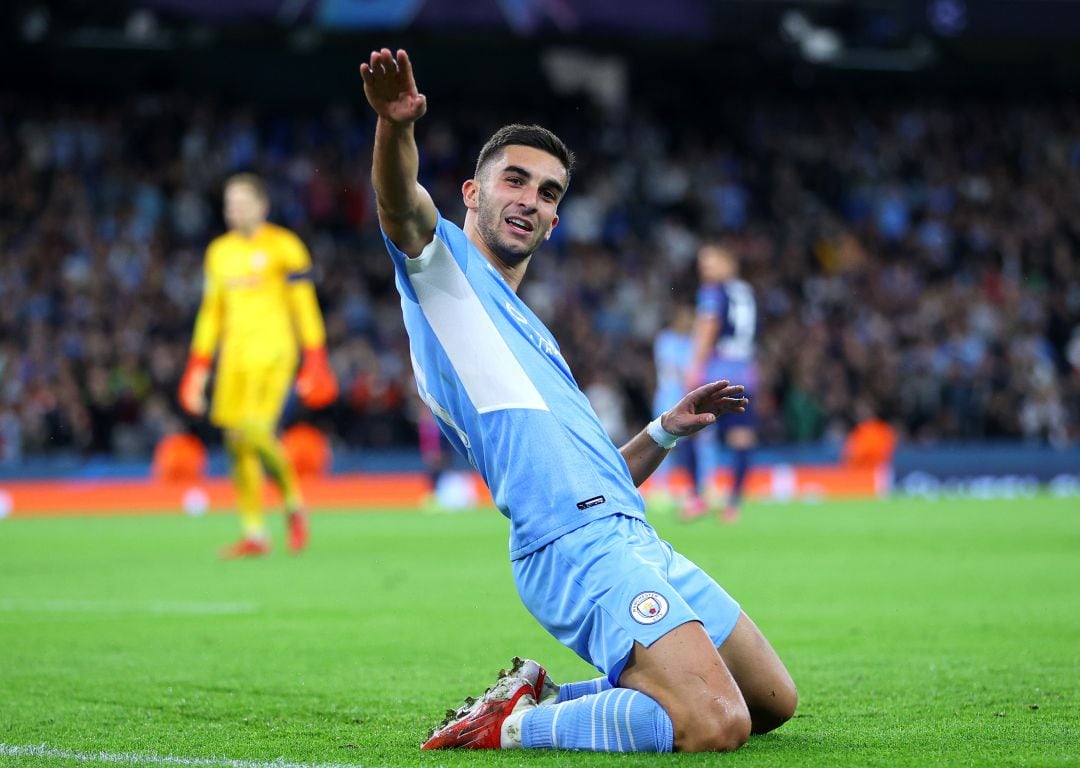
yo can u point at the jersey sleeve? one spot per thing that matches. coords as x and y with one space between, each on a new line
711 301
296 260
303 303
448 234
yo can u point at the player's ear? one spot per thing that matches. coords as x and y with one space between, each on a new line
470 194
554 223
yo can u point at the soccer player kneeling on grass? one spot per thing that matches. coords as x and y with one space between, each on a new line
257 299
683 667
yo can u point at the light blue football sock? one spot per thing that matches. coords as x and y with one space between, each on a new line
571 691
616 720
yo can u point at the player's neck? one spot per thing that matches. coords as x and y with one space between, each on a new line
248 232
513 275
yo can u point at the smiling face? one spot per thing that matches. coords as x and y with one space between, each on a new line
514 201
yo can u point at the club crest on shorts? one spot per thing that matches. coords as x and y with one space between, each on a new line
648 607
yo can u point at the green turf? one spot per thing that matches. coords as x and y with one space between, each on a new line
919 633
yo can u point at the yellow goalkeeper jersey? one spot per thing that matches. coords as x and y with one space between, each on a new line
258 300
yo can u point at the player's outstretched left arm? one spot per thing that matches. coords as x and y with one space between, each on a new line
703 340
697 410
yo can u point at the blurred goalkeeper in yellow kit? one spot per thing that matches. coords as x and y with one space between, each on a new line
258 312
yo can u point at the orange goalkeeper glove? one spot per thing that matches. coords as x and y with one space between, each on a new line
193 385
315 383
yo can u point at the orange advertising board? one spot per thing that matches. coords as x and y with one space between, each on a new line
65 497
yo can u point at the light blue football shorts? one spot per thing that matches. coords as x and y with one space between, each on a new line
600 587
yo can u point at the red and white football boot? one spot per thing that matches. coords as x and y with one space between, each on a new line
479 723
545 690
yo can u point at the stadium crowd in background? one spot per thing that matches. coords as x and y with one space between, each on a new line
919 261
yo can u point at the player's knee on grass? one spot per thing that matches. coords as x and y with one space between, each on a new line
766 685
686 675
777 708
712 726
771 696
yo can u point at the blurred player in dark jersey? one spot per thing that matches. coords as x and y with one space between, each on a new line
723 347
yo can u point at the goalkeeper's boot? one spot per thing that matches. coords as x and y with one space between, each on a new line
247 547
491 722
298 530
545 690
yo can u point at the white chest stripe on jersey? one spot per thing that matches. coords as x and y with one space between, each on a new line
493 378
436 408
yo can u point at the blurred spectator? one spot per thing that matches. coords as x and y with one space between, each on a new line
179 458
872 442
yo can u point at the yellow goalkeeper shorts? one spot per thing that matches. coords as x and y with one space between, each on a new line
250 395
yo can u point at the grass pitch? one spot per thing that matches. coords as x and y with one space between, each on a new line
919 633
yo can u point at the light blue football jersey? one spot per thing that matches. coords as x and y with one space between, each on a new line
671 354
494 377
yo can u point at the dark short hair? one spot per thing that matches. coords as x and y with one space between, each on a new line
258 186
534 136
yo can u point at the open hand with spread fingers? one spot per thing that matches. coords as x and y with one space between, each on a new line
390 87
701 407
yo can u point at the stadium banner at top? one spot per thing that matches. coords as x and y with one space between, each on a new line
681 18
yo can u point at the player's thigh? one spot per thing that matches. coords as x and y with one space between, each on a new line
765 682
757 669
613 582
226 402
601 588
250 395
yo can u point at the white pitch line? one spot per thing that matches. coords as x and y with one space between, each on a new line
157 607
131 758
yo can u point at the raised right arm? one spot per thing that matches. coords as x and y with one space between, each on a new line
406 211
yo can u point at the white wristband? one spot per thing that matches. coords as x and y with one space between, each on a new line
661 436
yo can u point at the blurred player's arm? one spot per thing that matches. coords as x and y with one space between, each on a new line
702 342
697 410
204 341
406 211
315 383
